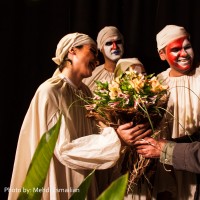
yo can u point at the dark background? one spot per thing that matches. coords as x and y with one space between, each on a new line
31 29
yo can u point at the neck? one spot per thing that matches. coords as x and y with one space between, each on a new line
174 73
74 79
110 65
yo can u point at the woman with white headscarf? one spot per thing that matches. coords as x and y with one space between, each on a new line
80 147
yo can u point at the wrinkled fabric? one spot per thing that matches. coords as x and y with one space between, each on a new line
56 72
168 34
186 156
183 156
100 73
184 119
92 151
69 41
166 154
79 148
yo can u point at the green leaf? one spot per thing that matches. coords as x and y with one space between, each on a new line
116 190
33 185
102 85
83 188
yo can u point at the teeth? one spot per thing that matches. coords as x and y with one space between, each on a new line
184 60
184 63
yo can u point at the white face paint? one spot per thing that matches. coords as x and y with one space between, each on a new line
113 48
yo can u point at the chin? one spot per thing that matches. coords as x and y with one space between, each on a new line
185 70
86 76
184 67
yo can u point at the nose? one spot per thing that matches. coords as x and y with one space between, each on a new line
114 45
183 52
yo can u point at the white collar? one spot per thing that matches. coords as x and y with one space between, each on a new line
62 76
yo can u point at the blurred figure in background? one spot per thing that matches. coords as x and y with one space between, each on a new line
125 64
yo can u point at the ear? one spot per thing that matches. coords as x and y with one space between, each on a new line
162 55
72 51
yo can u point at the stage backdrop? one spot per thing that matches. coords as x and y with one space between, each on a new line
31 29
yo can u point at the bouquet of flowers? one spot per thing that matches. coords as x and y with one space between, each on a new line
129 97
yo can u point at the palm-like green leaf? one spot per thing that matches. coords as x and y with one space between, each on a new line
39 166
83 188
116 190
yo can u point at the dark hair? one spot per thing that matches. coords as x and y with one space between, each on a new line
62 64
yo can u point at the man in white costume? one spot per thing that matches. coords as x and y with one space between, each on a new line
183 117
80 147
111 44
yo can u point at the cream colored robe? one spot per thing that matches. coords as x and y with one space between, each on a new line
101 74
79 148
184 105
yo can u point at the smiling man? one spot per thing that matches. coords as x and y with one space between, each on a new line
179 54
111 44
183 109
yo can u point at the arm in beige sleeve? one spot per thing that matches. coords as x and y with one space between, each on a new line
96 151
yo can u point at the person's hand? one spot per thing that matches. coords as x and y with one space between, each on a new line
129 134
149 147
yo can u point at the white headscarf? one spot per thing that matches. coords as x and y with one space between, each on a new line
124 63
69 41
168 34
105 33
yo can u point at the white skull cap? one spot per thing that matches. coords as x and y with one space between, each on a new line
124 63
168 34
68 41
105 33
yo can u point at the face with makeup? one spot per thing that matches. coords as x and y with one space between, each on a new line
179 54
113 48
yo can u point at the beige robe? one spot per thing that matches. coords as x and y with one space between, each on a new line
101 74
79 148
184 105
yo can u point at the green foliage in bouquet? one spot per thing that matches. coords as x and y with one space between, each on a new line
129 97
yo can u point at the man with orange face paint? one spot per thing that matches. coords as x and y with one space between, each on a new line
182 118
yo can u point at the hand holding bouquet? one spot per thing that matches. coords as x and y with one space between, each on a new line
131 96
